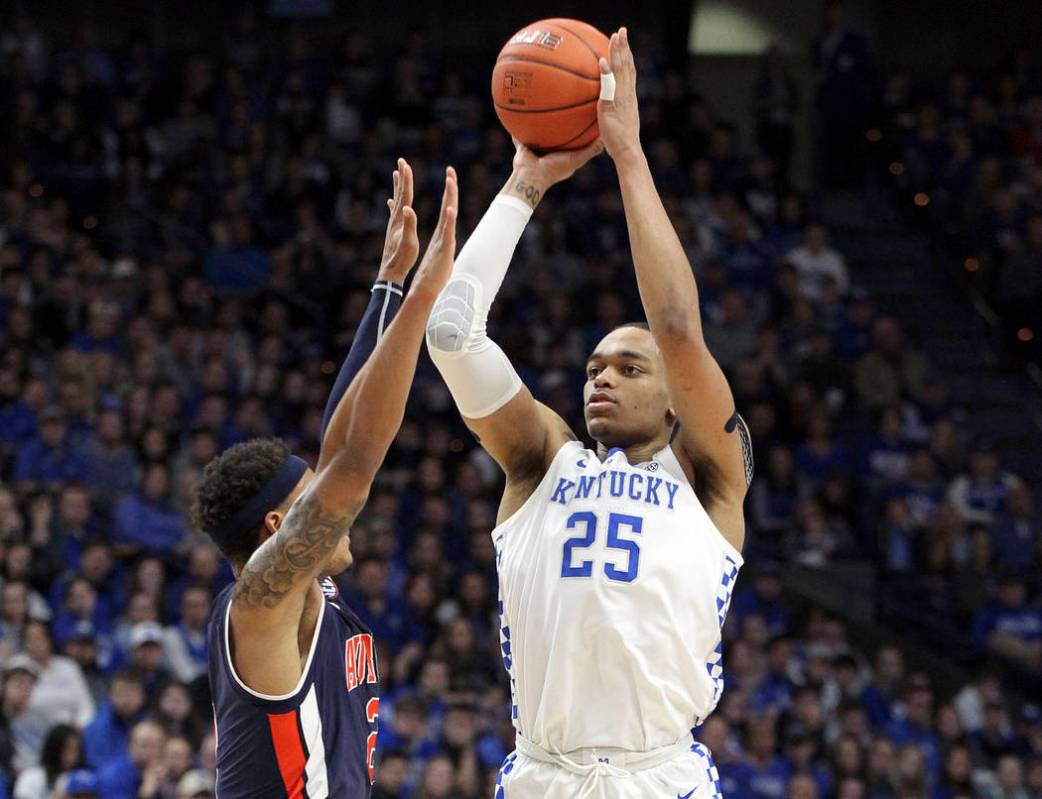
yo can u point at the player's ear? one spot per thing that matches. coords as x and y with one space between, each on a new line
272 523
671 416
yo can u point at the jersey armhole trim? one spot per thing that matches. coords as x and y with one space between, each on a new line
729 548
501 527
307 664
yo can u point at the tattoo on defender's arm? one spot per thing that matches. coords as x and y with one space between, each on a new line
307 537
736 422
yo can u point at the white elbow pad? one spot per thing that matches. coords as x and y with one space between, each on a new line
475 369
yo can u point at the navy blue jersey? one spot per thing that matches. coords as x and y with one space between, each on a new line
315 742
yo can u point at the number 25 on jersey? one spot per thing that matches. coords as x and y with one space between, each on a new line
618 524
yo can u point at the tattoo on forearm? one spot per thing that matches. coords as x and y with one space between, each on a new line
736 422
529 192
307 537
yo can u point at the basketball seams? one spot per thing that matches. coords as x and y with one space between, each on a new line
528 64
578 135
546 110
553 65
596 55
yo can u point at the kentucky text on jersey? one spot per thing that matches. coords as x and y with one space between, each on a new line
633 485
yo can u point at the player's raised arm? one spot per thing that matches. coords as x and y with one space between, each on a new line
712 435
283 567
520 433
401 247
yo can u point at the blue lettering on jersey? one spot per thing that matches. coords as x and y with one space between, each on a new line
585 486
653 486
638 487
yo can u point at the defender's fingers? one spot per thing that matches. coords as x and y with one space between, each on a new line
407 183
409 222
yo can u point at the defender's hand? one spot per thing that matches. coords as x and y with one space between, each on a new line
534 174
619 119
436 266
401 244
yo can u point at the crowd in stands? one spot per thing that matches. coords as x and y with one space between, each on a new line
187 240
970 145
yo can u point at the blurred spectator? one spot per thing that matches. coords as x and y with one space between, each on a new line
1010 625
184 645
62 752
138 772
816 263
891 371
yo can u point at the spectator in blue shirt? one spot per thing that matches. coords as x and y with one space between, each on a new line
50 458
17 420
881 695
915 725
105 738
1010 625
763 599
146 521
102 330
112 464
139 772
769 772
1018 530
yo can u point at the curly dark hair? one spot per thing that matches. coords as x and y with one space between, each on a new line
228 481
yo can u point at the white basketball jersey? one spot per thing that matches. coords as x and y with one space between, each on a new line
614 586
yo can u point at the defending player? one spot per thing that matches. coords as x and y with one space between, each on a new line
616 566
292 669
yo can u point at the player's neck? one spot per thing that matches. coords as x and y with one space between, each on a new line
636 453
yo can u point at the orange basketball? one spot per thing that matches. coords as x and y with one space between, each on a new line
546 83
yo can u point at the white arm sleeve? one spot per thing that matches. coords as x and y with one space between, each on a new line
475 369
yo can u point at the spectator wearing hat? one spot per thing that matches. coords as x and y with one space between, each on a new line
51 458
81 784
62 752
21 738
105 738
146 653
140 771
81 645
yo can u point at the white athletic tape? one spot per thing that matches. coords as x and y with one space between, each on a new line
607 86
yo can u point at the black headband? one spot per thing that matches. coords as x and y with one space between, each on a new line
250 515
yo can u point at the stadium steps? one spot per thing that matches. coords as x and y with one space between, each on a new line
895 266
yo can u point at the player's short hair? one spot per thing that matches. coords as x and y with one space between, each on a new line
638 325
229 481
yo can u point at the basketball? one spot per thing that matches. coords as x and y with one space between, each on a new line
546 83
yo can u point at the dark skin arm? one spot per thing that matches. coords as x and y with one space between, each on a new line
709 443
270 617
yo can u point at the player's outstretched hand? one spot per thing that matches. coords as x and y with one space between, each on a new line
401 244
544 171
436 265
618 118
